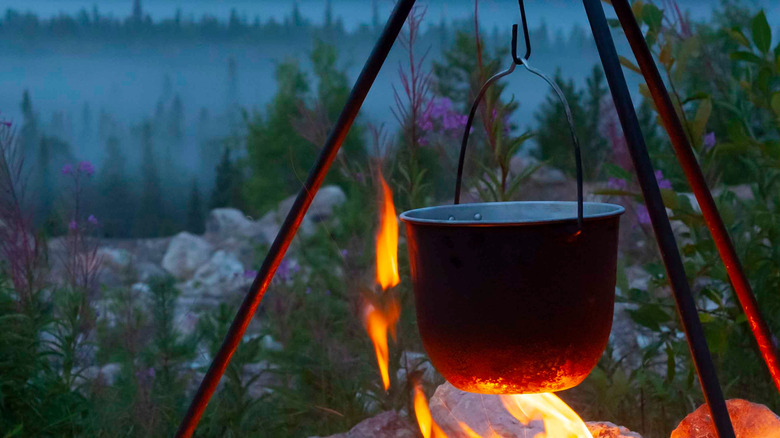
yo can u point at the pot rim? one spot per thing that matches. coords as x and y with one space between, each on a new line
536 213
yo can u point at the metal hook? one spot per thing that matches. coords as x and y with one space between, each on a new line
521 61
567 111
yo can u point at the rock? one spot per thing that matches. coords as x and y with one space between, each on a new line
145 271
321 209
230 222
412 362
185 253
106 374
263 376
269 226
743 192
109 372
116 259
750 420
605 429
385 425
221 274
483 414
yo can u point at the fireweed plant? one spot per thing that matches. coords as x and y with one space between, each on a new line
724 79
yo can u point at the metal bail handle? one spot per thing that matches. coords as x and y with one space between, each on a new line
524 62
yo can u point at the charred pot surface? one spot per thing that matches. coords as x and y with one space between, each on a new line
510 298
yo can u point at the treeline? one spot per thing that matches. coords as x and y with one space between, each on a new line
91 26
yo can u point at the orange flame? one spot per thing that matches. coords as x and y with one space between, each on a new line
378 323
560 421
387 241
428 427
381 315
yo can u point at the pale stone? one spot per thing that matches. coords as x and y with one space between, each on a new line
186 253
750 420
385 425
415 363
325 201
222 273
605 429
230 222
483 414
486 415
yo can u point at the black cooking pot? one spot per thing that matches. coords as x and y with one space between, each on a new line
514 297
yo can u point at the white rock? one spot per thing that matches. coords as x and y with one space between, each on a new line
412 362
115 258
321 209
230 222
147 270
388 424
486 415
185 254
223 273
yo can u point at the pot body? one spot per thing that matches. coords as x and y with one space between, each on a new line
509 297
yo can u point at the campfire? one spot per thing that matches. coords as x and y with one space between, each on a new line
381 313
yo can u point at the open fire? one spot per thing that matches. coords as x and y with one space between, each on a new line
557 419
381 314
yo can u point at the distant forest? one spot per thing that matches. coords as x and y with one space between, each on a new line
90 25
158 170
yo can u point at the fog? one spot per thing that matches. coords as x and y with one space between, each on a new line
113 79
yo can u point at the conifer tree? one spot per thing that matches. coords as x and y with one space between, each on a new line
227 184
28 136
196 222
150 211
115 199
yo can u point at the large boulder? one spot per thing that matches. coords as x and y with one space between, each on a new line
186 253
230 222
385 425
321 209
223 273
485 415
750 420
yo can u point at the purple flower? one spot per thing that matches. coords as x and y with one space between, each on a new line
250 273
663 183
87 168
308 290
616 183
642 215
440 110
286 270
92 219
73 225
67 169
709 141
344 252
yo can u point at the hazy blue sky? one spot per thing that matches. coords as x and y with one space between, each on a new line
128 83
353 12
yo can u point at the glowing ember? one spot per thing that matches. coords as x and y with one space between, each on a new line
560 421
387 241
